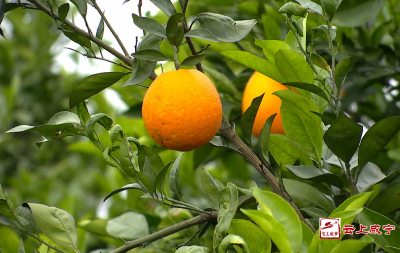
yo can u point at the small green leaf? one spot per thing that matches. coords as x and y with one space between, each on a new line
329 7
134 186
81 5
352 246
201 33
320 61
249 116
149 172
146 182
75 37
211 185
291 8
255 238
92 85
323 29
264 138
230 240
324 118
306 238
116 133
165 5
341 71
128 226
376 139
174 176
63 11
310 5
100 29
316 175
193 60
233 30
150 55
387 201
100 118
58 225
154 158
370 176
220 141
308 87
343 137
175 29
107 156
149 25
160 179
126 159
82 112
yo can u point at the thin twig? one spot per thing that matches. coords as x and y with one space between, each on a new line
144 241
96 6
176 62
204 48
140 13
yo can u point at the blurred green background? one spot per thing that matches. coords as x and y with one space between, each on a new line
70 173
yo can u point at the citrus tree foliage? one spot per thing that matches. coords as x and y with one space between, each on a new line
338 158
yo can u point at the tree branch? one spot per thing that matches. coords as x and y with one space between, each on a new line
144 241
96 6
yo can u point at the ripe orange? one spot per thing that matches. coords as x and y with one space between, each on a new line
182 110
256 86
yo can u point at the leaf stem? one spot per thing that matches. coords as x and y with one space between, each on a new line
349 177
144 241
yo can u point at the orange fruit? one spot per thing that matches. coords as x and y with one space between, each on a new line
256 86
182 110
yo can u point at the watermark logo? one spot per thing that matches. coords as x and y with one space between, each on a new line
329 228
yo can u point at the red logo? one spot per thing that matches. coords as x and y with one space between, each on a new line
329 228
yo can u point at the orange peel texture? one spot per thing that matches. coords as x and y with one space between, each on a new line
182 110
256 86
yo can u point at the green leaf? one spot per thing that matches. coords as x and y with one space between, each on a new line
232 240
299 123
193 249
211 185
297 27
316 175
233 30
352 246
174 176
21 248
274 205
100 29
150 55
148 171
271 47
343 137
324 118
26 219
222 83
323 29
370 176
305 195
291 39
81 5
92 85
293 67
154 158
387 201
149 25
308 87
175 31
247 121
96 226
320 62
264 138
101 118
7 208
315 212
341 71
306 238
75 37
56 224
201 33
220 141
357 12
376 139
291 8
128 226
329 8
165 5
369 217
116 133
228 199
160 179
193 60
310 5
255 238
82 112
134 186
126 159
107 156
273 228
287 151
63 11
257 63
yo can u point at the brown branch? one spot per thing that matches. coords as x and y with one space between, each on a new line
96 6
144 241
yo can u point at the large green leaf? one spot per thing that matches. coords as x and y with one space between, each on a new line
255 238
388 200
305 195
357 12
56 224
258 64
299 123
232 30
376 139
343 137
385 241
311 6
81 5
316 175
92 85
293 67
287 151
101 118
160 179
129 225
274 205
211 185
249 116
